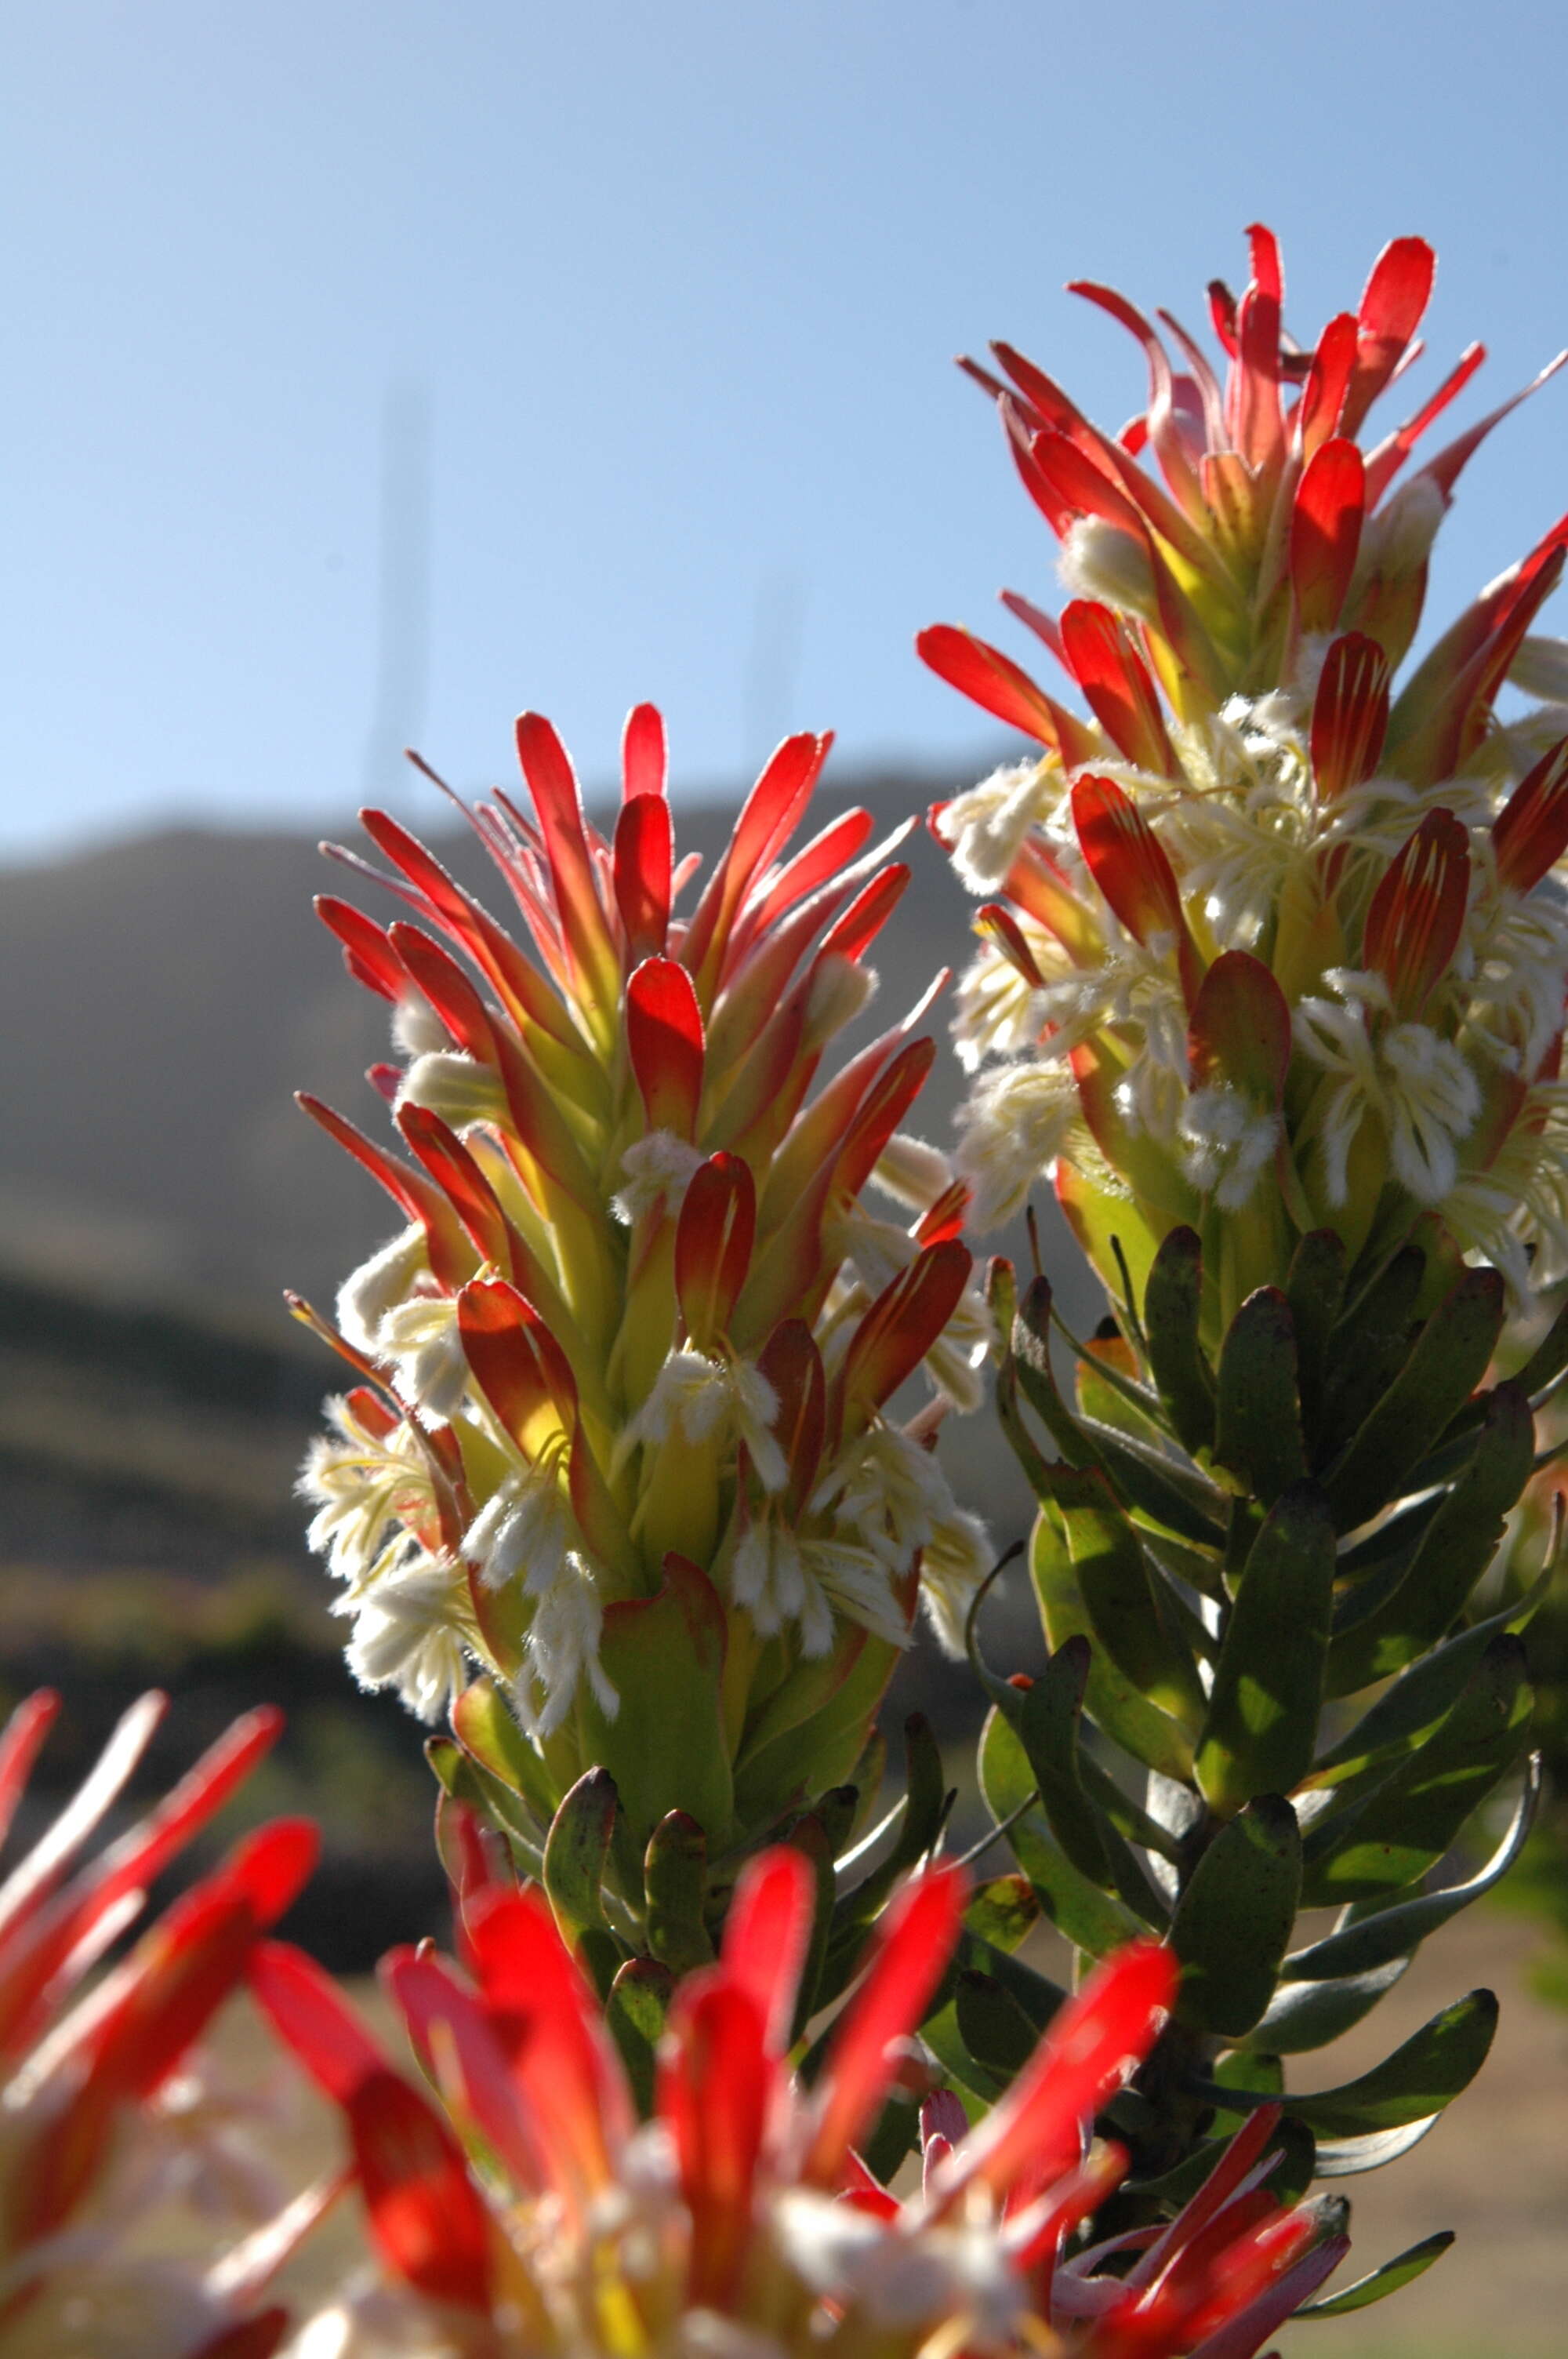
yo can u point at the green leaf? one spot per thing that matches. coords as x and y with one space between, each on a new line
463 1777
1364 1943
1233 1922
1125 1600
1303 2016
1344 2157
1172 1302
1453 1551
1449 1359
484 1726
1169 1492
1315 1287
1263 1709
577 1854
1402 2271
1046 1721
638 2002
1031 1341
1114 1702
1258 1433
1405 1714
1090 1918
1371 1343
992 2026
925 1804
675 1877
1384 1839
1003 1911
1409 2086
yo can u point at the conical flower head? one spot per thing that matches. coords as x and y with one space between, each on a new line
623 1439
1278 939
739 2213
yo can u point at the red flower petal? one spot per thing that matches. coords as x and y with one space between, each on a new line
645 761
1325 532
715 2083
1417 913
988 678
901 1325
1107 667
1349 715
642 864
426 2213
1530 834
714 1236
767 1929
914 1939
664 1041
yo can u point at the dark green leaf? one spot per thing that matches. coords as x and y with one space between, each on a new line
1384 1839
1315 1288
1449 1359
1364 1943
635 2010
1258 1433
675 1877
1263 1709
1303 2016
992 2026
1172 1303
1416 2082
577 1850
1233 1922
1344 2157
1003 1911
1090 1918
1452 1553
1113 1701
1402 2271
1371 1343
1124 1598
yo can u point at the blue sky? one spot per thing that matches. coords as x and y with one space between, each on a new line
676 288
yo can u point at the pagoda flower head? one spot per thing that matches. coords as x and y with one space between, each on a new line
560 2192
624 1438
119 2159
1275 935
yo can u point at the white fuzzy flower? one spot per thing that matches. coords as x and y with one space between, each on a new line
704 1400
1227 1144
1098 561
389 1277
995 1012
782 1576
366 1489
958 1557
1417 1084
422 1340
561 1648
656 1167
524 1528
406 1636
985 829
913 1173
896 2282
455 1087
1012 1128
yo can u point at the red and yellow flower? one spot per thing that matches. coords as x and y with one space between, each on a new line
1275 939
624 1438
530 2210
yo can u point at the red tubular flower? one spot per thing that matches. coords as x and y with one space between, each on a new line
732 2199
87 2071
1530 834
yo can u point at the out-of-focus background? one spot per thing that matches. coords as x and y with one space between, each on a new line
375 372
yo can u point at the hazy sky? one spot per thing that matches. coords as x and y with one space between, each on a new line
675 289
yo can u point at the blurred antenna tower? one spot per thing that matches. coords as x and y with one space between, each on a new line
403 619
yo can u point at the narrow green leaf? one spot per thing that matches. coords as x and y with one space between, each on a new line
1047 1726
485 1726
1449 1359
675 1877
1384 1839
1031 1341
576 1852
1303 2016
1172 1302
1422 2076
1113 1701
992 2026
1406 1713
638 2002
1125 1599
1402 2271
1370 1343
1090 1918
1345 2158
1315 1288
1258 1430
1233 1922
1364 1943
1263 1709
